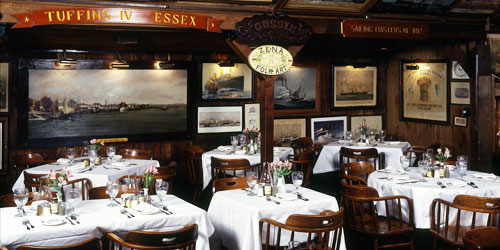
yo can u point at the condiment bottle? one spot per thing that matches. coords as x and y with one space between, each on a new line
140 198
446 171
436 173
54 206
265 179
441 172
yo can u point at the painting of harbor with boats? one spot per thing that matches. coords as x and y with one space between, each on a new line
220 119
296 89
233 82
99 102
354 86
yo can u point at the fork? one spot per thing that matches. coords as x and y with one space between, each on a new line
124 211
441 184
275 201
166 209
25 222
29 223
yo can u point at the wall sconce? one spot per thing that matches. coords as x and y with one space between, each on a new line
67 61
226 64
412 67
166 64
121 65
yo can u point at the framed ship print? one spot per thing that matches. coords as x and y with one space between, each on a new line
220 119
354 86
4 87
287 130
328 129
297 91
233 82
424 92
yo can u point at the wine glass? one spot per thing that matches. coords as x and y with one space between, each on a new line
112 187
405 162
293 245
110 151
161 187
73 197
251 180
20 198
243 139
297 178
371 135
382 135
423 165
92 157
348 135
461 165
234 141
70 153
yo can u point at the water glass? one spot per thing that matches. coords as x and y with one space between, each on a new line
73 198
161 188
297 179
423 165
371 135
405 162
20 198
243 139
382 135
251 180
348 135
430 151
234 141
110 151
70 153
462 165
293 245
112 188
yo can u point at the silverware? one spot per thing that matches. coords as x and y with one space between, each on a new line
301 197
472 184
75 219
124 211
29 223
406 182
104 166
441 184
25 222
275 201
70 221
166 209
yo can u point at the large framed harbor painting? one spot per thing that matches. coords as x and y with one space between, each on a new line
66 106
297 91
227 82
354 86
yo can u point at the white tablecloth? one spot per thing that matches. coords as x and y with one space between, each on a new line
236 216
99 176
328 159
96 218
280 153
423 193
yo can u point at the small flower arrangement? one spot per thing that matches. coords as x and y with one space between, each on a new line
281 168
443 156
252 133
363 128
94 145
149 175
57 179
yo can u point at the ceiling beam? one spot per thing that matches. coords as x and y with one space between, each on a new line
368 6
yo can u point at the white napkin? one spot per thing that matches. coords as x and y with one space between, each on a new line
392 142
344 141
63 160
225 148
398 178
456 183
77 167
145 208
119 164
393 170
287 196
485 177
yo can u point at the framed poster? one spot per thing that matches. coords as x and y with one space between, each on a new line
297 91
460 121
460 92
328 129
373 122
252 115
457 72
4 128
287 130
234 82
354 86
424 92
220 119
4 87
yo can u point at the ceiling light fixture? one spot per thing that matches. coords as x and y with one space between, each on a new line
120 65
226 64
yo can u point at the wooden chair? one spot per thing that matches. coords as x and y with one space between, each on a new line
450 220
131 153
165 173
101 193
300 145
27 160
486 238
325 230
90 244
357 168
305 163
369 154
32 181
221 167
349 180
415 155
193 164
361 213
7 200
184 238
83 184
229 183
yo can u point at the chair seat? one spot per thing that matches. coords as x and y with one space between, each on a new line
382 226
449 235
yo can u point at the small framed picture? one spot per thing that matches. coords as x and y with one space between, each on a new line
460 121
457 72
328 129
220 119
460 93
252 115
287 130
373 122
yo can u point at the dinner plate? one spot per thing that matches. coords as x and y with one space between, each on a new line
147 209
53 222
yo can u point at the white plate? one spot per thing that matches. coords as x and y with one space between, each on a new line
290 187
53 222
361 144
240 152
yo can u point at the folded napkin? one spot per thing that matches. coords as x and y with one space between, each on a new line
146 208
393 170
344 141
456 183
392 142
77 167
287 196
398 178
119 164
225 148
63 160
485 176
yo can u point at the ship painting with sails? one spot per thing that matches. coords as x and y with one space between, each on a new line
353 88
296 89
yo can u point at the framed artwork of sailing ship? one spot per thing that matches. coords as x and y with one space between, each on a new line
354 86
233 82
287 130
328 129
425 92
297 91
220 119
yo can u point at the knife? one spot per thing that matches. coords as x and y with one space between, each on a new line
405 182
472 184
302 197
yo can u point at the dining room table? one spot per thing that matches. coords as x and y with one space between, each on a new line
96 219
99 175
228 152
329 159
423 190
235 215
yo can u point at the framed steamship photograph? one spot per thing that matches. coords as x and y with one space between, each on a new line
4 87
226 81
297 91
220 119
425 93
354 86
328 129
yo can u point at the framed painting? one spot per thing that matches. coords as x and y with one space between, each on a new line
252 115
65 106
297 91
4 87
354 86
287 130
424 92
460 93
373 122
460 121
226 82
457 72
220 119
494 42
4 128
328 129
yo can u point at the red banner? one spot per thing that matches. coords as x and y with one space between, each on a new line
115 15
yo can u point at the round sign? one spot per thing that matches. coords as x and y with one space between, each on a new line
270 60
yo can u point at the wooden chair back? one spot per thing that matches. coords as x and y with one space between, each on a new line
350 180
305 163
83 184
357 168
90 244
101 193
193 164
415 155
361 206
32 181
450 220
300 145
434 145
224 168
165 173
7 200
132 153
28 160
130 183
229 183
325 229
485 238
372 155
184 238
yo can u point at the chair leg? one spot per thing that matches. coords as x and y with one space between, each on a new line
194 196
411 243
434 244
375 247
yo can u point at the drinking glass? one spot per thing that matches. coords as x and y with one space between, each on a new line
73 197
112 187
297 178
234 141
92 157
405 162
251 180
348 135
110 151
20 198
293 245
243 140
423 165
430 151
382 135
462 165
161 189
70 153
371 135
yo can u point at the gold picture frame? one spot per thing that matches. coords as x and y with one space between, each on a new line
287 130
354 86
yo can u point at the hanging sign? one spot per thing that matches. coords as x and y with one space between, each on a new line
384 29
270 60
115 16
